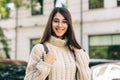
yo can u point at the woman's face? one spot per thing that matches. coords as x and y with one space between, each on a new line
59 25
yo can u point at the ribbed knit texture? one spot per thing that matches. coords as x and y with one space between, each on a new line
64 68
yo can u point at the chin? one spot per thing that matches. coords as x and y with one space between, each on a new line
59 36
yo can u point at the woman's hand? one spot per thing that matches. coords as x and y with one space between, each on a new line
73 48
49 58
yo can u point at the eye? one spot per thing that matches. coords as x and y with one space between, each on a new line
65 21
55 20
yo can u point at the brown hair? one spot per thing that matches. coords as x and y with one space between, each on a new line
70 32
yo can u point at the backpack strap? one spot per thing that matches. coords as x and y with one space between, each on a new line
46 50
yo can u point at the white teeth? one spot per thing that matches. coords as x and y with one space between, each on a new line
59 30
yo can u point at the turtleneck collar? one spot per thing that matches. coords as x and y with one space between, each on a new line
57 41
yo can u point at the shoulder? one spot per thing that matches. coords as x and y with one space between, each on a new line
37 47
82 53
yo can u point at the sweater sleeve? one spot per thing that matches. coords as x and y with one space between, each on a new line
37 69
82 62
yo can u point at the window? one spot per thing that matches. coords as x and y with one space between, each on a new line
60 3
118 2
104 47
37 7
33 42
93 4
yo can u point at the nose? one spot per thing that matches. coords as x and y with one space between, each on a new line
60 24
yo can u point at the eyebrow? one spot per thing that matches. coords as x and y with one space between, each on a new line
57 18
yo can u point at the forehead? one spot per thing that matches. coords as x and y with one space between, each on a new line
58 15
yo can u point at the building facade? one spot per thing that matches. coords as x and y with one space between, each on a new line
96 24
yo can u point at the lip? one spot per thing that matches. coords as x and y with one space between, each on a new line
59 30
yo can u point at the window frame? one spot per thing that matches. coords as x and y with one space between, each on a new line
95 6
35 12
118 2
110 47
33 42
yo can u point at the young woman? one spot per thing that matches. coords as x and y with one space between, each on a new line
65 60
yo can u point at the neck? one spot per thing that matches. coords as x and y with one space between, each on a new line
58 41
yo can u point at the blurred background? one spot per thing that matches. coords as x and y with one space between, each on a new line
96 24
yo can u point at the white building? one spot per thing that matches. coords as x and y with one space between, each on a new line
100 28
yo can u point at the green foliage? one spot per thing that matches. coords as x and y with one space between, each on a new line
3 38
18 3
3 41
5 11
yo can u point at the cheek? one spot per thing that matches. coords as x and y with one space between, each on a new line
66 28
53 28
53 25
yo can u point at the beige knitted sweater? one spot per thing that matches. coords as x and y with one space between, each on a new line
64 68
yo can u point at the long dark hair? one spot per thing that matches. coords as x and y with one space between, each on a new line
70 32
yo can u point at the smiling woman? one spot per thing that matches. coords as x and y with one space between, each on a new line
59 25
65 59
